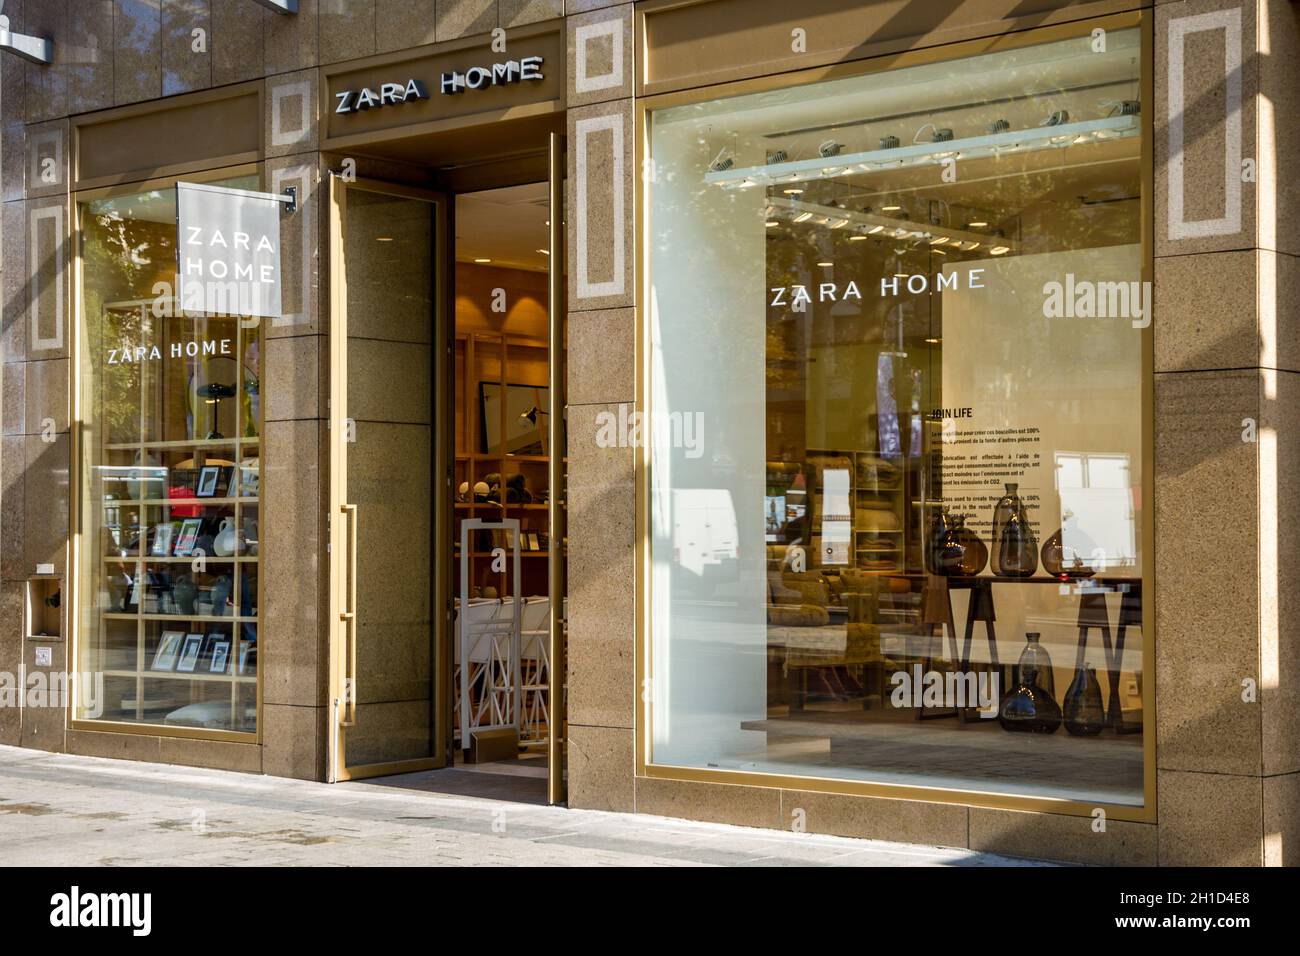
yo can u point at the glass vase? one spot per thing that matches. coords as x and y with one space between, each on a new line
1030 706
935 540
963 554
1084 713
1062 561
1015 552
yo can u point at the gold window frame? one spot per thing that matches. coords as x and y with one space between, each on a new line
75 502
643 720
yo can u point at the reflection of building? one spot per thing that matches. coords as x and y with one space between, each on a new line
839 259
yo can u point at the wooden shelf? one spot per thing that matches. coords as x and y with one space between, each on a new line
184 675
204 618
185 443
174 559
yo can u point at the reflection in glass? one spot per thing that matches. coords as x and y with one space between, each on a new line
877 336
171 410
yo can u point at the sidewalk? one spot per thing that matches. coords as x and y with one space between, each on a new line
60 810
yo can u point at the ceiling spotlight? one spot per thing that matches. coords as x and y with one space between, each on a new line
826 265
722 162
856 238
545 252
890 208
977 224
482 261
772 222
875 229
803 217
838 223
793 192
383 238
999 250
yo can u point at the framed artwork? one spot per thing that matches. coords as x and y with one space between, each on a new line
190 653
527 411
164 536
164 659
188 536
533 542
207 486
247 659
220 659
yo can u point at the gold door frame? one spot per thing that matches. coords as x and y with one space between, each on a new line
556 789
342 516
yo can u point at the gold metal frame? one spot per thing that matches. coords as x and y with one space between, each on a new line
556 791
342 576
73 563
645 767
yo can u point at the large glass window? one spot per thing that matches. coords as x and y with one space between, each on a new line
171 446
896 418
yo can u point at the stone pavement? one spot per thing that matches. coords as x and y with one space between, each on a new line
57 809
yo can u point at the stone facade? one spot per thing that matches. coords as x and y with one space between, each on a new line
1227 300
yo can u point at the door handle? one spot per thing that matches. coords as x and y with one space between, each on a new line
349 618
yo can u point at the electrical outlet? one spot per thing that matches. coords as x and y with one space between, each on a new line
44 656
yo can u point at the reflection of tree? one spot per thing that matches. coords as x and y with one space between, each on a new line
122 259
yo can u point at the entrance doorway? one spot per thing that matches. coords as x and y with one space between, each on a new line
446 521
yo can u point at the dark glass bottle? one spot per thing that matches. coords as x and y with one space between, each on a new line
1030 705
1015 552
1084 713
1062 562
963 554
934 542
1035 666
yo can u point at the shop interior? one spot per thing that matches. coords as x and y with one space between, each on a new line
496 259
908 423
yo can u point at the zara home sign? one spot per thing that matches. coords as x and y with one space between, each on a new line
506 73
228 251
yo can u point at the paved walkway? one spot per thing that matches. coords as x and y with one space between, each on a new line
58 810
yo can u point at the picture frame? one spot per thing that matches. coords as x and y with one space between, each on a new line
219 661
189 656
225 481
247 659
207 486
188 536
164 658
533 542
527 408
164 536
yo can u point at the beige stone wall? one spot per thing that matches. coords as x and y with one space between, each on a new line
1227 298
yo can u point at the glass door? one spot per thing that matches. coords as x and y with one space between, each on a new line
385 447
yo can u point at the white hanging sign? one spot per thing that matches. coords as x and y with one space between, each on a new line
228 250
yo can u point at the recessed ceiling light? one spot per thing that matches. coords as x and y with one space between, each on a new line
793 192
803 217
875 229
977 225
482 261
826 265
856 238
772 222
545 252
999 250
891 208
900 275
383 238
934 341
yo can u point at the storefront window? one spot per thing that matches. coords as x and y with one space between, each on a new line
897 428
171 447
